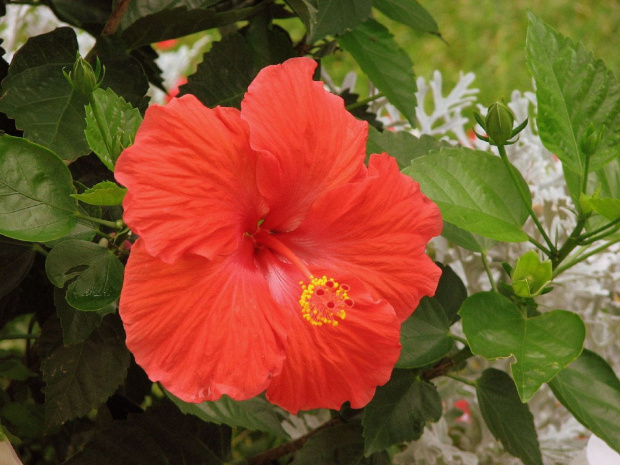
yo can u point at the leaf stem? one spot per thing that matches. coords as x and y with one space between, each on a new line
462 380
487 268
114 21
361 103
570 244
601 229
39 249
111 224
10 337
539 246
582 256
459 338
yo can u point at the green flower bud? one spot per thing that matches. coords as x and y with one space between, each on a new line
530 276
499 122
83 78
590 140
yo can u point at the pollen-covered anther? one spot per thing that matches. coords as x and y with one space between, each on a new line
324 301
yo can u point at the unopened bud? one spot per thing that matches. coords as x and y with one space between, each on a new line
83 78
499 122
530 276
590 139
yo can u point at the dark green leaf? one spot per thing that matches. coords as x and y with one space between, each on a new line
256 413
590 390
106 193
224 75
80 377
425 335
333 17
139 10
386 64
542 345
161 435
399 411
339 445
270 44
401 145
474 191
89 15
450 293
39 98
77 325
12 368
306 10
35 186
16 259
120 122
171 23
574 90
507 417
93 273
465 239
408 12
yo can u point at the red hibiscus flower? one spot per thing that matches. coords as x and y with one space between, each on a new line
270 257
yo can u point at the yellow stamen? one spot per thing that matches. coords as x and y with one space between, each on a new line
323 301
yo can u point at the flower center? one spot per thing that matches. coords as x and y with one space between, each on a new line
323 300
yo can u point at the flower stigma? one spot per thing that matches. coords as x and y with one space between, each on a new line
323 300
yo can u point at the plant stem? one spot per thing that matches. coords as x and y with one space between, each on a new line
111 224
582 256
487 268
39 249
525 198
570 244
459 338
539 246
361 103
11 337
114 21
462 380
601 229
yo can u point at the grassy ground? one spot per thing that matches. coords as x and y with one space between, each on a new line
488 38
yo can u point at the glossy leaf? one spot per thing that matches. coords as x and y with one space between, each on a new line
35 187
507 417
574 90
224 75
105 193
474 191
386 64
92 273
40 100
120 122
590 390
399 410
339 445
465 239
333 17
425 335
402 145
81 377
255 413
408 12
16 259
542 345
77 325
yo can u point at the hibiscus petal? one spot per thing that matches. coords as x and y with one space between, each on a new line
328 365
191 180
311 143
377 230
203 328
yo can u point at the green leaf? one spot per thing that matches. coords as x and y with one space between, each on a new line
35 186
529 275
16 259
609 208
574 90
106 193
425 335
171 23
81 377
255 413
333 17
507 417
89 15
93 273
77 325
402 145
542 345
306 10
339 445
408 12
224 75
386 64
465 239
590 390
474 191
399 410
40 100
120 122
450 293
270 44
